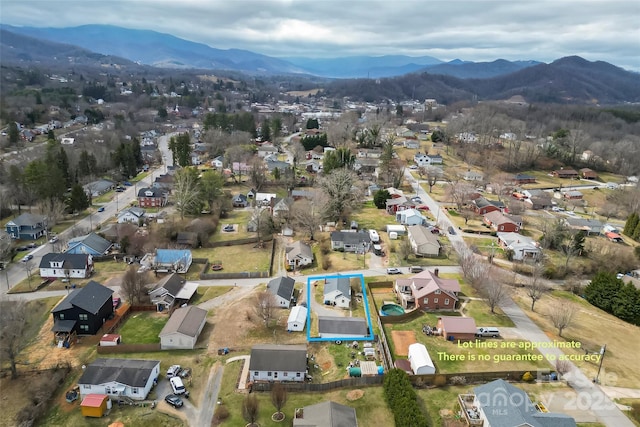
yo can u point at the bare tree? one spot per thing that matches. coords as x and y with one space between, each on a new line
495 293
14 318
467 214
561 315
257 173
250 409
5 251
185 191
278 397
459 193
342 194
266 306
474 269
307 213
134 285
433 174
502 184
536 287
404 249
563 367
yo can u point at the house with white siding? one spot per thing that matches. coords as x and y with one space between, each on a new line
270 362
130 378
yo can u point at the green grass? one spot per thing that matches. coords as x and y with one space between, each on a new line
238 258
131 416
206 293
143 328
481 313
371 408
238 217
370 217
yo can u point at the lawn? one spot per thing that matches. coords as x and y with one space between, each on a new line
442 352
238 258
239 218
206 293
370 217
371 408
593 328
481 313
143 327
131 416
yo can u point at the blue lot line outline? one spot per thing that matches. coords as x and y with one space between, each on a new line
365 300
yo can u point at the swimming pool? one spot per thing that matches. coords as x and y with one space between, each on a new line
391 310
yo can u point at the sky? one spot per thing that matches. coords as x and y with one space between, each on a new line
479 30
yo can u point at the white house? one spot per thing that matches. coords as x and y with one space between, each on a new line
264 199
522 247
271 362
298 254
119 377
423 242
337 292
282 290
132 215
421 363
297 319
411 217
183 328
64 265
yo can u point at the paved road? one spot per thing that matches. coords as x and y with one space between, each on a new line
589 394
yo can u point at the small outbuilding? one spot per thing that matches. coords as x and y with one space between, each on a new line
421 363
95 405
457 328
297 319
110 340
183 328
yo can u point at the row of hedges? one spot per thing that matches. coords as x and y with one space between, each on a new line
402 400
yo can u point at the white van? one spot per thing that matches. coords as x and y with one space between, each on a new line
177 385
488 332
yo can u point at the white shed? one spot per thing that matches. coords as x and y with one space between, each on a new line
297 318
183 328
420 360
399 229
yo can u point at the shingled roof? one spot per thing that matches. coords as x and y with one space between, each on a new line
90 298
131 372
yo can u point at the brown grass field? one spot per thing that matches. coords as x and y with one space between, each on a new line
402 340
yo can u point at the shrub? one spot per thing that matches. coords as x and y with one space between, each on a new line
528 376
326 263
402 400
458 380
221 413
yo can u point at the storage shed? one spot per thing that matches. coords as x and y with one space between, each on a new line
399 229
110 340
297 319
95 405
421 363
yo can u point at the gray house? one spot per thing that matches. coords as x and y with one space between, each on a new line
183 328
298 254
325 414
337 292
271 362
282 289
119 377
589 226
27 227
350 241
342 327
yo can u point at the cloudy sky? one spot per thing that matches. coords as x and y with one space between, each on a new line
479 30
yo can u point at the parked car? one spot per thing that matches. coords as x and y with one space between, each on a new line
416 200
101 209
415 269
53 239
488 332
127 183
174 400
452 231
32 245
393 270
116 302
227 228
177 385
173 371
27 258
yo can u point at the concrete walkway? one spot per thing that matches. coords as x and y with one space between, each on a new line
244 375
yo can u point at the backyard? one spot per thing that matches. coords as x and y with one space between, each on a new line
238 258
143 327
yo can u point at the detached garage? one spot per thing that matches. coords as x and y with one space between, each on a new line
297 319
183 328
95 405
421 363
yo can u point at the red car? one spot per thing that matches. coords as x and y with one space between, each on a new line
116 302
423 208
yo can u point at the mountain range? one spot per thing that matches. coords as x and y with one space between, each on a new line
567 80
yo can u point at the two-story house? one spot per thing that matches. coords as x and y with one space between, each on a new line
66 265
428 291
27 227
84 310
153 197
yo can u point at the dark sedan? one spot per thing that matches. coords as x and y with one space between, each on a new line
174 401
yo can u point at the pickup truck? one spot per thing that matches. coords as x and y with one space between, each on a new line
488 332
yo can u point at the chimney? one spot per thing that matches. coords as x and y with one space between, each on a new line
436 271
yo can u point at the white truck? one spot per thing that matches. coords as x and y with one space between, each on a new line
489 331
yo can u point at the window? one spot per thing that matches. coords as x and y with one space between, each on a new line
446 301
255 373
82 317
426 301
61 316
269 373
84 328
435 300
298 374
134 390
86 387
286 374
437 292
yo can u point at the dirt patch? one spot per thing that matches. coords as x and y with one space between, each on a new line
402 340
355 394
382 290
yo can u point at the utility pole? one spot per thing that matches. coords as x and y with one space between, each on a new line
603 350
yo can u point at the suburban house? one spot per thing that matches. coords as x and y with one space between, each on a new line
271 362
572 195
66 265
91 244
116 378
395 204
298 254
589 226
457 328
282 290
499 403
27 227
264 199
325 414
565 173
240 201
500 222
172 289
218 162
183 328
411 217
280 206
423 242
98 188
115 232
470 175
297 318
172 260
482 206
369 153
412 144
83 311
522 247
187 239
348 241
540 201
522 178
153 197
337 292
342 327
587 173
427 291
132 215
420 360
266 150
312 166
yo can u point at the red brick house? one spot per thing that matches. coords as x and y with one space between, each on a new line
482 206
587 173
499 222
428 291
522 178
151 198
565 173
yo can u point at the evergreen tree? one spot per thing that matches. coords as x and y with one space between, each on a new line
14 133
627 304
603 291
265 131
78 200
631 224
380 198
312 124
180 147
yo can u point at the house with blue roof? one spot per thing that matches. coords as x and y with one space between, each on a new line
91 244
172 260
27 227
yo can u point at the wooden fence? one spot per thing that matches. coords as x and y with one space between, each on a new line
303 387
244 241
